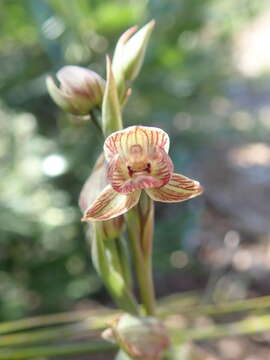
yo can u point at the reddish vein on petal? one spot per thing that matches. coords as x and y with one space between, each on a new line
110 204
153 172
120 141
179 188
137 159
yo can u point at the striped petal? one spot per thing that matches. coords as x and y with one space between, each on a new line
179 188
110 204
154 173
120 142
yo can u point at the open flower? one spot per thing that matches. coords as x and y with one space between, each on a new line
138 160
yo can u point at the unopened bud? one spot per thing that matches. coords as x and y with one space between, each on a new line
129 52
80 89
142 338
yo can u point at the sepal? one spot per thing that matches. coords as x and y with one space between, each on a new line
110 229
179 188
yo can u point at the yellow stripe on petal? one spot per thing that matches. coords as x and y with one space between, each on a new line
120 142
110 204
179 188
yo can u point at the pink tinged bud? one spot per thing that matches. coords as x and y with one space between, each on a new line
80 89
143 338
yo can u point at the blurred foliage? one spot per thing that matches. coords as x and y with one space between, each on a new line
185 88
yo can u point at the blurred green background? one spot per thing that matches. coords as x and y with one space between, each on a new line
205 81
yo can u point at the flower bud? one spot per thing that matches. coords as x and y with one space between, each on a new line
79 91
142 338
129 53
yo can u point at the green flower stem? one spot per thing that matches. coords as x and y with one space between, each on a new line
139 224
57 350
124 258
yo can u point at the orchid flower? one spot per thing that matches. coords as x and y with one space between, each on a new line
137 160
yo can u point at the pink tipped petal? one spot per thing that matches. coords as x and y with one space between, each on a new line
120 142
127 34
110 204
179 188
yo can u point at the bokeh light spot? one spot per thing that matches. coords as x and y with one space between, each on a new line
54 165
179 259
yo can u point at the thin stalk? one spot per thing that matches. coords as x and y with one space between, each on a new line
143 276
244 327
57 350
52 334
124 259
174 305
54 319
140 226
248 326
